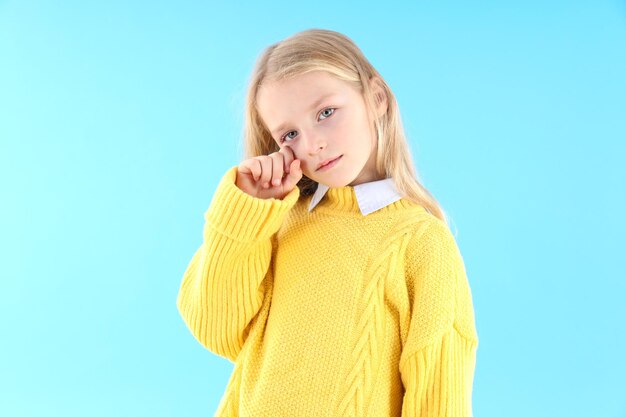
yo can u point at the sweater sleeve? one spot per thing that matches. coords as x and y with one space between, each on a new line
223 286
439 354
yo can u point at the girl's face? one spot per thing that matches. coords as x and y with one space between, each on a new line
320 117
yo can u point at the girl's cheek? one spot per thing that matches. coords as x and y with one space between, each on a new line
335 125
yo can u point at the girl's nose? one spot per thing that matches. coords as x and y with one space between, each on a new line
314 143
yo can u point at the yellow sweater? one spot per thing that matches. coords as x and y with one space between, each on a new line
331 313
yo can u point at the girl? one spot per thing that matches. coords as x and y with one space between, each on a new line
327 272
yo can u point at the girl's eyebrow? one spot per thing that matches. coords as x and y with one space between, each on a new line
314 105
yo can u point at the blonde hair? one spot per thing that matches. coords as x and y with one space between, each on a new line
335 53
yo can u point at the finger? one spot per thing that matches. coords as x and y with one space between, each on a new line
266 170
289 156
285 161
295 173
251 167
277 168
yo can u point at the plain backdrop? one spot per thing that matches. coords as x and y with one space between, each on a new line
118 119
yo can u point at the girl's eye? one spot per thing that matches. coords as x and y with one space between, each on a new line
282 139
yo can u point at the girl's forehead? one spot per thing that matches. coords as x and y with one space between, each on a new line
314 82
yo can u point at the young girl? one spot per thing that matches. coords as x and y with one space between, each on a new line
327 272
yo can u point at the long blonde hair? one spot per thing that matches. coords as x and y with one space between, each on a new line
335 53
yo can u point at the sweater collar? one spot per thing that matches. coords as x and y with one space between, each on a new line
366 197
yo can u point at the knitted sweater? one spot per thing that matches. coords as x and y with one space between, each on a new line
330 312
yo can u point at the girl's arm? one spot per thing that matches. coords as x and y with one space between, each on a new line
439 353
223 286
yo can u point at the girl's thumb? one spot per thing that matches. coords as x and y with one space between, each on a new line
295 173
294 167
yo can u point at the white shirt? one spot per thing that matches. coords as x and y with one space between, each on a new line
371 196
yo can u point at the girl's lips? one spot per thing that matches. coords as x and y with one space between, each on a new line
330 164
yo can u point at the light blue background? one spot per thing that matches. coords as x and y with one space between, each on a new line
117 120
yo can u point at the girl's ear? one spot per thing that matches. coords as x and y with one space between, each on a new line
380 97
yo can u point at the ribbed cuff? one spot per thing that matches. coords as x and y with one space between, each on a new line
243 217
438 379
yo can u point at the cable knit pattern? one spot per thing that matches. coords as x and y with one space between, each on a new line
329 312
369 333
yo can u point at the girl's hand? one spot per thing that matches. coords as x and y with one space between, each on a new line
269 176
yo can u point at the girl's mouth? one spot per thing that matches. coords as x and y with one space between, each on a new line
330 164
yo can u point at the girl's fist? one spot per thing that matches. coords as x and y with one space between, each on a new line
269 176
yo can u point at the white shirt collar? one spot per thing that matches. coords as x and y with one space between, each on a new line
371 196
